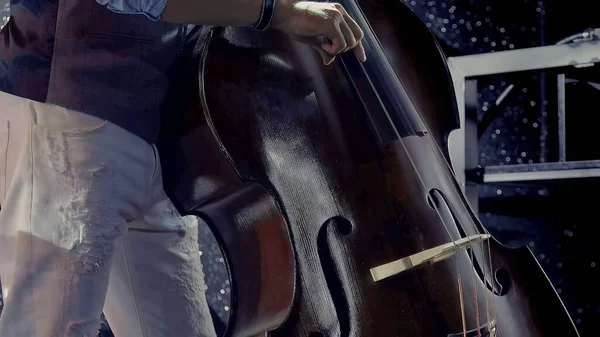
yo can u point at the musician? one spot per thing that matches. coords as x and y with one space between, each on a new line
80 181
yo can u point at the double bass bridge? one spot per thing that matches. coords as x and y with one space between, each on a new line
430 256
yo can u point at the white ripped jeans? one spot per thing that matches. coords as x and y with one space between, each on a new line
85 226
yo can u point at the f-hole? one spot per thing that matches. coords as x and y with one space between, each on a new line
342 227
499 282
502 278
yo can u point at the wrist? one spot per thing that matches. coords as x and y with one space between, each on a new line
283 11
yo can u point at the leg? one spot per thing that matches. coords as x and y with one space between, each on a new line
157 285
76 182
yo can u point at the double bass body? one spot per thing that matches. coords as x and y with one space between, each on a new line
310 190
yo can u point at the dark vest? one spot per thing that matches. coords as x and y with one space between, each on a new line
80 55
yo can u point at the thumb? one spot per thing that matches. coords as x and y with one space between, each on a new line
327 57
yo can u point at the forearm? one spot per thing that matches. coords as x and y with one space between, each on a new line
217 12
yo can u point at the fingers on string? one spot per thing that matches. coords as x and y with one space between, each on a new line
360 53
344 34
354 34
348 36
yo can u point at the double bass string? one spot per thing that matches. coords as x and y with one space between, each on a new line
486 264
459 281
370 44
462 305
475 299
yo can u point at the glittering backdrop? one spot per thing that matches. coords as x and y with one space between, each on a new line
554 221
4 12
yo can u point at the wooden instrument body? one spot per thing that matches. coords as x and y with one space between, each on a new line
284 165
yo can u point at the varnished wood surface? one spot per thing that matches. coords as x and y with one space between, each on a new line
243 216
281 120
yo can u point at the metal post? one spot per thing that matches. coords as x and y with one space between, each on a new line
463 143
562 119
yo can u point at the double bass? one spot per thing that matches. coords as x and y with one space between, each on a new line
330 190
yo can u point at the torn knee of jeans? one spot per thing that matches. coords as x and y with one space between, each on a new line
89 263
96 246
89 232
56 150
84 328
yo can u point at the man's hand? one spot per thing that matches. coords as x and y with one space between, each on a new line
326 26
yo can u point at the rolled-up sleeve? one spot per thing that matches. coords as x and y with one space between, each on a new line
153 9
